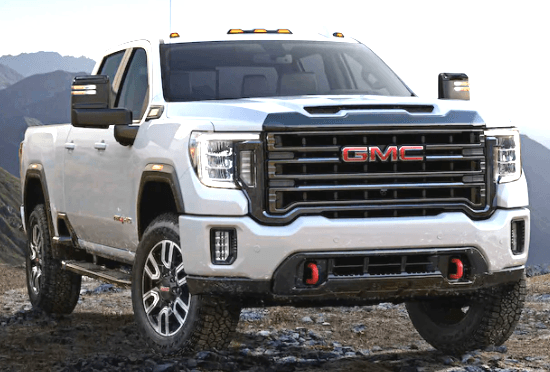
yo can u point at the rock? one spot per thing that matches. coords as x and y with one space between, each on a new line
474 369
499 349
288 360
376 348
167 367
307 319
191 363
252 315
467 358
449 360
264 333
542 298
359 328
104 288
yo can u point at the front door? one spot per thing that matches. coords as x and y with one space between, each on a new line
100 188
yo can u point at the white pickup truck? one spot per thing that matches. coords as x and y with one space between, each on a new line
266 167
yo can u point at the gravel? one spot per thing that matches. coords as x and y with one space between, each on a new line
101 335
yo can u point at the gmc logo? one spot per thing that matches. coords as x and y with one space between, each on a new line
373 153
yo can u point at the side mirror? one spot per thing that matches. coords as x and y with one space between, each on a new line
91 103
454 86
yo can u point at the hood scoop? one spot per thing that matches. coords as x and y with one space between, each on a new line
413 109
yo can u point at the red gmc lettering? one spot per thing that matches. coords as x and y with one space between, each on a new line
390 150
403 156
361 154
373 153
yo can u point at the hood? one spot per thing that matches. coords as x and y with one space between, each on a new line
254 114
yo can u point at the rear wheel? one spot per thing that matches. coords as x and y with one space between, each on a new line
457 325
169 317
50 288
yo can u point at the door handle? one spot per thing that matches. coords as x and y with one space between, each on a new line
70 145
100 145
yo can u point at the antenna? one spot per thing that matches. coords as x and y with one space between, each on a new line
170 19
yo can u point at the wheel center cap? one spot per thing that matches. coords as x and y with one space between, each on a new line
166 289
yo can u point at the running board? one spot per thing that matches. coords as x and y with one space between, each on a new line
113 276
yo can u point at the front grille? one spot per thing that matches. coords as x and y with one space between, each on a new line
305 172
383 265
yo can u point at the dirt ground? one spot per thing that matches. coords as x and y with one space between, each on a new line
382 337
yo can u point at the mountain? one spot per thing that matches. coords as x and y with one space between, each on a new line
8 76
537 171
35 100
12 239
28 64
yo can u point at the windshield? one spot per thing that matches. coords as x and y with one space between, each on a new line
246 69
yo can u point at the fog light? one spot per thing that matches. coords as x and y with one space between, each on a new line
223 246
517 237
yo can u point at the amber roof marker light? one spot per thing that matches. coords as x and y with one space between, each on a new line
338 34
259 31
174 35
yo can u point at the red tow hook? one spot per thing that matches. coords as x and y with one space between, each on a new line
459 269
314 279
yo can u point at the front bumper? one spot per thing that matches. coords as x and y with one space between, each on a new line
262 249
342 292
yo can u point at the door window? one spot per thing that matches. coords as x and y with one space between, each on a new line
109 67
134 88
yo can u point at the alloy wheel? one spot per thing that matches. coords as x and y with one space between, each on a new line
165 294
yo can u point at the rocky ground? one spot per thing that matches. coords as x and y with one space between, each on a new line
101 335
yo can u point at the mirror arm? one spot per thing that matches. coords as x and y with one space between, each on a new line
126 134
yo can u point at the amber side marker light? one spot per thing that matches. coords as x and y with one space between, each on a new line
157 167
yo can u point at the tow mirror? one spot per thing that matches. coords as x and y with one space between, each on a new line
454 86
91 104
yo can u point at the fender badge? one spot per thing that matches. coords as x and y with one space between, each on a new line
122 219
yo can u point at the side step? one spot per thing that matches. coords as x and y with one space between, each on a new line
114 276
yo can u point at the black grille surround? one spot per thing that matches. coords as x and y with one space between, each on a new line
300 169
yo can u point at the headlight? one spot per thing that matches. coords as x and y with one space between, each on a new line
507 159
213 157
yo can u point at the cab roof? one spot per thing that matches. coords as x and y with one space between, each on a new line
235 34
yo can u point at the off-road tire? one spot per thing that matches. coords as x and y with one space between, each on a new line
51 289
209 322
458 325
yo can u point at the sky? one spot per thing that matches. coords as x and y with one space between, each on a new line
501 45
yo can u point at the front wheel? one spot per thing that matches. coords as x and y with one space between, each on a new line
169 317
457 325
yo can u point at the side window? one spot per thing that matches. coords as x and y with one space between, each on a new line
109 67
135 85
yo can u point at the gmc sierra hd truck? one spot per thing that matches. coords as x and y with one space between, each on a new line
270 167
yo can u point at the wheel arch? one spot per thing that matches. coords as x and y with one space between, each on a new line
159 193
35 192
